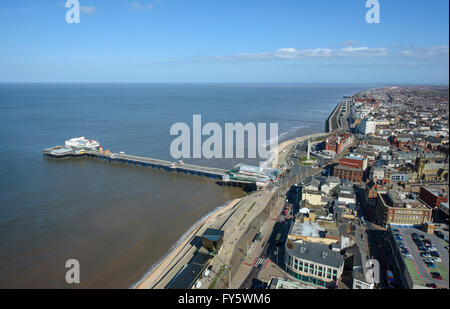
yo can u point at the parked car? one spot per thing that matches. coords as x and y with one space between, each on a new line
435 273
430 265
431 285
436 259
425 255
437 276
439 234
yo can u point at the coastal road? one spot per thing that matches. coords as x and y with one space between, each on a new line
339 117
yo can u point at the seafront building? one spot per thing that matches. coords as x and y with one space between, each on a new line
315 263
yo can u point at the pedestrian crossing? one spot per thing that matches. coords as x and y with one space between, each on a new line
260 261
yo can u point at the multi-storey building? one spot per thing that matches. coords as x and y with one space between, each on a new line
314 263
432 197
396 207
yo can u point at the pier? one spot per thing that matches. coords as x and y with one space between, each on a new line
221 176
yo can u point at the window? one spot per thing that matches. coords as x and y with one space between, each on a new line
328 273
300 266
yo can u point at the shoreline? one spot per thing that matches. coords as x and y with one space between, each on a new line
157 270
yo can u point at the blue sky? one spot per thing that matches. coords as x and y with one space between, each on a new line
298 41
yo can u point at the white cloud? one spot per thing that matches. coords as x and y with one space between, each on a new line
424 52
89 10
140 6
436 52
292 53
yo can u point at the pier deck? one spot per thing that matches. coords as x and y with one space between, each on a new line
218 174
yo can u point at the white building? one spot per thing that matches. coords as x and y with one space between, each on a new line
82 143
330 183
376 173
368 126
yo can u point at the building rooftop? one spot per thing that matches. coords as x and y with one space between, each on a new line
318 228
399 199
316 253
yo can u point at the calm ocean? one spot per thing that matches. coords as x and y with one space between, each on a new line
116 220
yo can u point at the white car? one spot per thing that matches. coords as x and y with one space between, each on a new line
436 259
432 248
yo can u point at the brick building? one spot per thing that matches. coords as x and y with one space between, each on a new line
349 173
396 207
336 142
432 197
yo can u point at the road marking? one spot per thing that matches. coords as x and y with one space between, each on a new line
409 249
251 263
260 261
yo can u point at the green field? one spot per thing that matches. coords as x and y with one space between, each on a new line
440 268
413 272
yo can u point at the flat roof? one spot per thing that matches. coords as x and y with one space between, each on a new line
213 234
394 196
312 229
186 278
